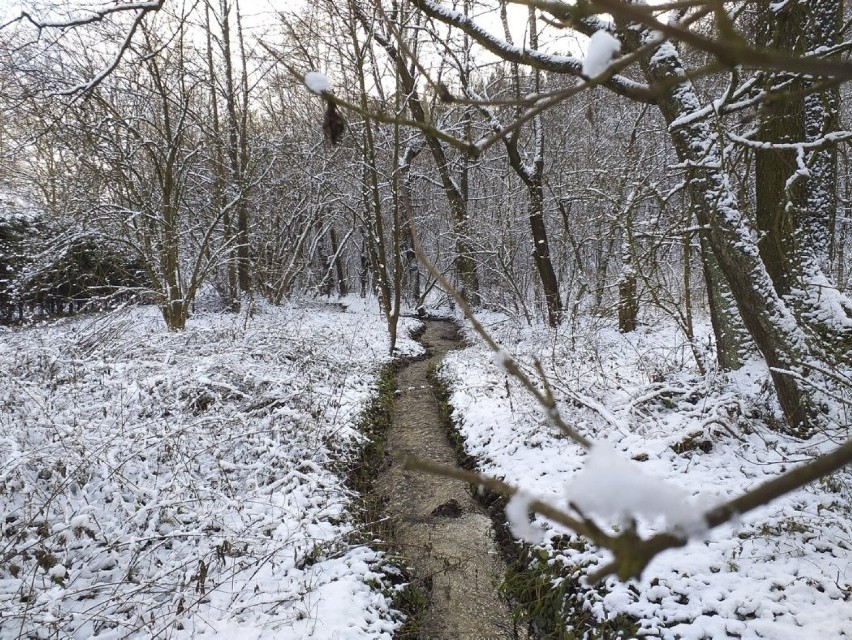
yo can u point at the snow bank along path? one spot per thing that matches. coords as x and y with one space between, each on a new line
188 485
783 572
442 531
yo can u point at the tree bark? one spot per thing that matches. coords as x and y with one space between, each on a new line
732 340
822 117
237 146
795 195
231 298
533 179
340 271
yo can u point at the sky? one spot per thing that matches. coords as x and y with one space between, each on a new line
262 10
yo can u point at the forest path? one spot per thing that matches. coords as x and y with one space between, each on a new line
444 535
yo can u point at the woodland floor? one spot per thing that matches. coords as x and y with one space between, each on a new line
443 533
194 485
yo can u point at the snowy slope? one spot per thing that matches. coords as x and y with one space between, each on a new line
783 572
187 485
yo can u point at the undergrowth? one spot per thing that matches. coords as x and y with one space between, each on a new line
154 484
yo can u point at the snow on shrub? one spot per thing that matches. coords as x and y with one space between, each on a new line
186 484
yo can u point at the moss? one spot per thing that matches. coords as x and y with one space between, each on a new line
374 424
413 600
547 594
375 421
442 394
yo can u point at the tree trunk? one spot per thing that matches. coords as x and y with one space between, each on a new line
326 281
409 257
628 302
364 273
219 170
729 332
340 271
822 117
778 193
541 254
237 151
796 195
464 261
533 179
628 306
732 240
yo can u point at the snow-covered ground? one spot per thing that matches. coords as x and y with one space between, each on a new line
783 572
191 484
155 484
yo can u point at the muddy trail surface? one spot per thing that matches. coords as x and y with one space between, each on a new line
444 535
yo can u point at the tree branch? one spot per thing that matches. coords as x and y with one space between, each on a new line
530 57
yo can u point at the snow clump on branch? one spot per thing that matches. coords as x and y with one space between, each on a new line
517 515
316 82
614 488
602 49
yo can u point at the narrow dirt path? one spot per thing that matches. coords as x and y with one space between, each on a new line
445 536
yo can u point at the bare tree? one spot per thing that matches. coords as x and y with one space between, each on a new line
784 338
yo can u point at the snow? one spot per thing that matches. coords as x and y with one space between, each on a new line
190 485
316 82
14 207
617 490
603 47
502 359
506 51
158 484
783 571
517 515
